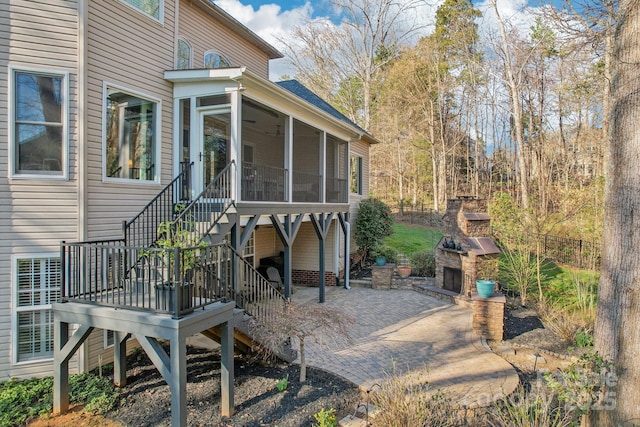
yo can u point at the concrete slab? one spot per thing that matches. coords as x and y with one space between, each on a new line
407 333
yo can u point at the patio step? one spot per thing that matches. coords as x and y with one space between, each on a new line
443 294
362 416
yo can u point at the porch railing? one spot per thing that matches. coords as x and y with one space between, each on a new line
262 183
172 281
142 230
337 190
306 187
205 211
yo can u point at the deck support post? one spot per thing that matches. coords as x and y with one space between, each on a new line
178 348
321 225
63 348
60 368
287 234
120 358
226 370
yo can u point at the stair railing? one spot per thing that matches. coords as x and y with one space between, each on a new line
142 230
205 211
253 293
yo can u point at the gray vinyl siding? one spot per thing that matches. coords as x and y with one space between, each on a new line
35 214
204 34
361 149
131 51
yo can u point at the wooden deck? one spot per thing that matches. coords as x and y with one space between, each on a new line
147 328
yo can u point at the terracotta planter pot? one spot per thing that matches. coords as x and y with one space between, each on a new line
404 271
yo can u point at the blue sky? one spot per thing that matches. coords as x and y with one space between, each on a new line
274 20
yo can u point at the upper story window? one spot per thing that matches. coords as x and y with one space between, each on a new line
355 166
152 8
184 55
38 124
214 59
131 135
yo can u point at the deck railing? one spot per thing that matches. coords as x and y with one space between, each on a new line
174 281
337 191
142 229
306 187
262 183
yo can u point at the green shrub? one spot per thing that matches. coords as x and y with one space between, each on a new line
423 264
385 251
21 400
373 224
325 418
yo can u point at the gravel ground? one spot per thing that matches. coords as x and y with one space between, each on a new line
147 398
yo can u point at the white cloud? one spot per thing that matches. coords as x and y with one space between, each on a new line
269 21
515 13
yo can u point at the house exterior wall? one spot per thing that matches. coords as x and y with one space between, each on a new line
100 43
205 34
130 51
35 214
359 148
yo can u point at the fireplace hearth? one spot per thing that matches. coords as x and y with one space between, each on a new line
466 252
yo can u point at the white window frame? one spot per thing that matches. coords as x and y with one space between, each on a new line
217 52
359 191
108 338
159 19
15 309
13 174
184 40
157 129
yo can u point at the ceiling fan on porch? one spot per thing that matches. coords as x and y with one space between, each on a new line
276 133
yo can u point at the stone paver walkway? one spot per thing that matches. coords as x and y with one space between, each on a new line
404 331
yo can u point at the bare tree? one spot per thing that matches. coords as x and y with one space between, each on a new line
319 322
342 63
617 328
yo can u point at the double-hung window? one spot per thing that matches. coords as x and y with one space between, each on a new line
37 284
355 167
132 127
38 124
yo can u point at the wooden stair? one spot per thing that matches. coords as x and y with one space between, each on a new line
245 343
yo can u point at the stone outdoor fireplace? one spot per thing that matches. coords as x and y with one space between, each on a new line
466 252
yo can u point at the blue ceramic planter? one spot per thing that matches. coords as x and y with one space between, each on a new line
380 261
485 288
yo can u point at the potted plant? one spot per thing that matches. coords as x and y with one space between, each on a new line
485 288
383 254
404 267
177 236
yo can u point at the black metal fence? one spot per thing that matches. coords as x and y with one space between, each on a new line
577 253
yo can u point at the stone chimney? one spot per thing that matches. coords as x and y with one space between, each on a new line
466 252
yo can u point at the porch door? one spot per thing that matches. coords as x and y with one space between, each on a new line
211 152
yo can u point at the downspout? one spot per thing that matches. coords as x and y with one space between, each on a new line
347 244
81 163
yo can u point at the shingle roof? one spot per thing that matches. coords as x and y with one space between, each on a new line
303 92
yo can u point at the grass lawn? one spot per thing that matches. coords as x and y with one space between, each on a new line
410 239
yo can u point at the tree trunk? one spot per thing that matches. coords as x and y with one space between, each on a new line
617 330
303 362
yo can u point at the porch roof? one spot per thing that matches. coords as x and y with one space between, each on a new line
300 97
